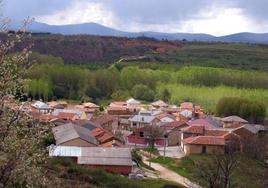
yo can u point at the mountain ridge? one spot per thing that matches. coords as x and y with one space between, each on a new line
98 29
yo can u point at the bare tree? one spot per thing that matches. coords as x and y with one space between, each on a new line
152 133
217 171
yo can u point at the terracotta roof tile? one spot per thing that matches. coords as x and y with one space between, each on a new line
194 129
205 140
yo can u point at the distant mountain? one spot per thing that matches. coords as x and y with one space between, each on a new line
97 29
245 37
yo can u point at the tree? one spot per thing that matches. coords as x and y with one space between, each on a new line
253 111
165 95
217 171
21 149
142 92
152 133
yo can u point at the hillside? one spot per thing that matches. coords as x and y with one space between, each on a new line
91 50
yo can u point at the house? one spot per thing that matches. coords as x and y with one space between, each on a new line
207 122
69 114
187 106
171 110
246 132
139 121
184 115
166 118
192 131
114 160
41 107
138 139
88 107
57 104
159 104
173 132
152 112
117 110
233 121
105 121
133 105
204 144
72 135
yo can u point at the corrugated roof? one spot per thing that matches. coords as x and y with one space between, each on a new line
64 151
72 111
69 131
41 105
105 156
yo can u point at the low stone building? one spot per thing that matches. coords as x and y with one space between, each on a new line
204 144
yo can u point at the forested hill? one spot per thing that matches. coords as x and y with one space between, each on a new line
92 50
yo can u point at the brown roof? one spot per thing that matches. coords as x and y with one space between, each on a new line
205 140
102 135
119 103
117 108
194 129
174 124
103 119
216 132
66 115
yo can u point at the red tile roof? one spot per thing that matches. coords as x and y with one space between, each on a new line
187 105
205 140
194 129
202 122
66 115
174 124
118 103
216 132
103 119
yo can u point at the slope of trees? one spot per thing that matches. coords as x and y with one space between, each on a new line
96 50
253 111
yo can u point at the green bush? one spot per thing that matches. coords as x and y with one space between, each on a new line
142 92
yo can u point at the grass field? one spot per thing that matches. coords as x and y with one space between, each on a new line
208 97
246 175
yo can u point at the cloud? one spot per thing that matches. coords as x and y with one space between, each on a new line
216 17
80 12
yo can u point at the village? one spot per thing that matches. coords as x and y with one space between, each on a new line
105 139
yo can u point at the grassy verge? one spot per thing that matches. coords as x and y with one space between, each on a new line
246 175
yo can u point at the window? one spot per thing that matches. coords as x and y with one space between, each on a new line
141 134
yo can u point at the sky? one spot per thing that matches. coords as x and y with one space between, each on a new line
216 17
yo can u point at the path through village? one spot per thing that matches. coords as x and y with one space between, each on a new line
169 175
